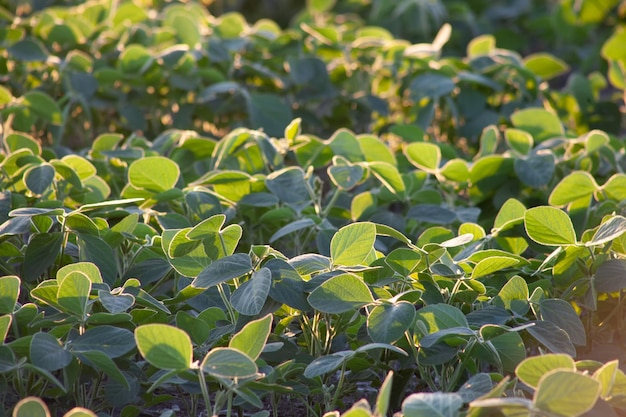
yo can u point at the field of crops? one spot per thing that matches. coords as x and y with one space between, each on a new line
411 208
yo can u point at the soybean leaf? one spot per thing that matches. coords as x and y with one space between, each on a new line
611 276
31 407
540 123
575 186
41 252
545 65
549 226
339 294
223 270
384 395
441 316
292 227
95 250
536 170
39 178
389 176
552 337
164 346
250 297
102 362
228 363
73 294
531 370
9 293
110 340
47 353
561 313
351 245
608 231
432 404
387 323
566 393
327 363
493 264
252 337
424 155
153 173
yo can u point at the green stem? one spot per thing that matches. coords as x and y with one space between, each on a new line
339 387
205 391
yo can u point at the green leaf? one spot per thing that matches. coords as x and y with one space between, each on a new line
112 341
455 170
269 112
549 226
81 412
252 337
608 231
441 316
514 296
510 348
288 185
561 313
552 337
481 45
153 173
43 106
424 155
611 276
404 261
327 363
511 213
339 294
387 323
9 293
16 141
384 395
41 252
531 370
615 187
46 352
39 178
432 404
320 6
5 323
519 140
292 227
83 168
73 294
605 375
536 170
102 362
345 177
118 303
545 65
250 297
95 250
389 176
432 85
31 407
540 123
164 346
493 264
577 185
134 59
89 269
566 393
613 48
223 270
228 363
29 50
351 245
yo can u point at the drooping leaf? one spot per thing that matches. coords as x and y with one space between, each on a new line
41 252
327 363
611 276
